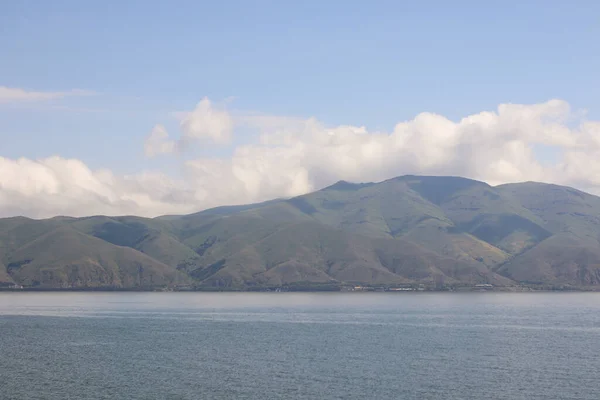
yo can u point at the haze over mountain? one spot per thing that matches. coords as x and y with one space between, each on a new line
436 231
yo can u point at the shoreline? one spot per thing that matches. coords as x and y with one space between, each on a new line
522 289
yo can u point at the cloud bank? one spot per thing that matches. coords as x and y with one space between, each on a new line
15 95
543 142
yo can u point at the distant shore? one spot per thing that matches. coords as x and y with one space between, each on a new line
314 289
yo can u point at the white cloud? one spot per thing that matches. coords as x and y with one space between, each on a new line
295 156
13 95
207 122
204 122
158 142
58 186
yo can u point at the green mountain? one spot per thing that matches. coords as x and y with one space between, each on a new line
436 231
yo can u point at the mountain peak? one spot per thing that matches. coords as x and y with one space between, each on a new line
343 185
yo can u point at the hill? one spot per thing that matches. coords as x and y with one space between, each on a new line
435 231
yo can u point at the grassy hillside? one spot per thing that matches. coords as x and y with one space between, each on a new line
437 231
560 209
5 278
66 258
559 260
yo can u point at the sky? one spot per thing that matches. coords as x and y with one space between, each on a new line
152 108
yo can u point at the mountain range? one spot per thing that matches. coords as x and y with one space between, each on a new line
437 232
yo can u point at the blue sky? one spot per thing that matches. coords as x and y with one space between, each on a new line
342 62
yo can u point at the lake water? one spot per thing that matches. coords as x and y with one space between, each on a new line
299 346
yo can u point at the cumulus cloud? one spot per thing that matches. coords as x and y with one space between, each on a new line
13 95
59 186
293 156
158 142
207 122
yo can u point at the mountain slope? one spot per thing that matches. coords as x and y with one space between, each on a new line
66 258
437 231
560 209
559 260
311 252
5 278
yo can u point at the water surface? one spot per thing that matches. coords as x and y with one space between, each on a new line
299 346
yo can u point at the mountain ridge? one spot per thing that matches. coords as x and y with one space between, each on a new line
409 230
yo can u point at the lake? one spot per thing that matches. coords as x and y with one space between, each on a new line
299 346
